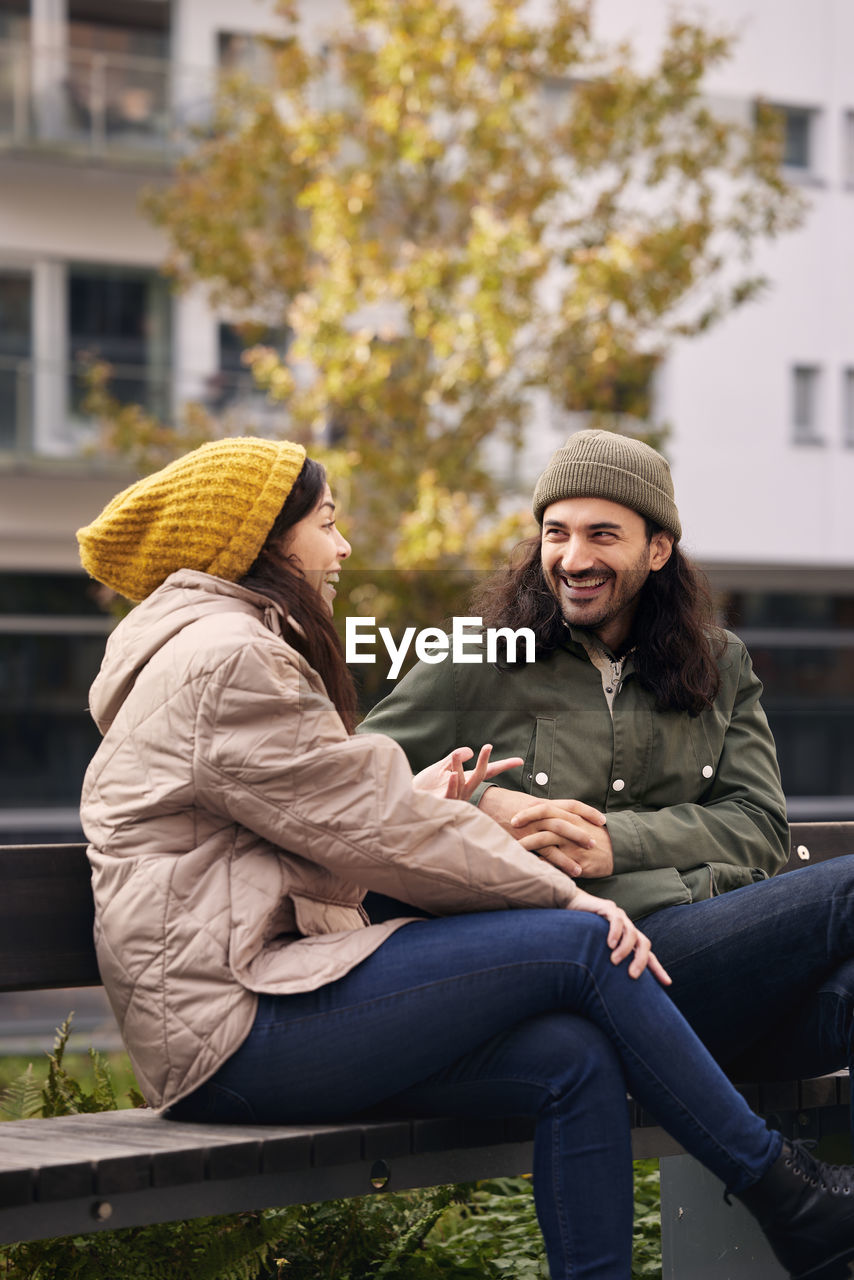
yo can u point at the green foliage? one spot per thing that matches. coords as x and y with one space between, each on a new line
22 1098
645 1257
62 1092
63 1095
372 1238
646 1253
493 1233
227 1248
16 1071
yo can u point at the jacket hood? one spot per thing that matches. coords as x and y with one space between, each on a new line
184 598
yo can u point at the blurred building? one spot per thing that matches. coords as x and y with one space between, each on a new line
99 97
97 100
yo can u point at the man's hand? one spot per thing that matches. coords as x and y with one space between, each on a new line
447 779
569 834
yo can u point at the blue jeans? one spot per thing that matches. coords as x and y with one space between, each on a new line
506 1012
765 974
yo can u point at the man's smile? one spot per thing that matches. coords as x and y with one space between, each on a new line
583 586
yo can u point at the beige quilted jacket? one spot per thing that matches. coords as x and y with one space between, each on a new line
234 826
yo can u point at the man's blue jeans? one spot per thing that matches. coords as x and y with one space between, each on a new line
765 974
506 1012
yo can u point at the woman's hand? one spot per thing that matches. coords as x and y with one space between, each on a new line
623 936
447 779
572 836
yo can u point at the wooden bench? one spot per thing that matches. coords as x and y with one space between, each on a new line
85 1173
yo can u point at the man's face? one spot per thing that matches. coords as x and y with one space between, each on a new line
596 557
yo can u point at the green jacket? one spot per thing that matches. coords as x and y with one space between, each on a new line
694 804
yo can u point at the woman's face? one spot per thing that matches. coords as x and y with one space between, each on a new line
317 547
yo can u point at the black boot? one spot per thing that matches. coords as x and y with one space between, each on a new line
806 1209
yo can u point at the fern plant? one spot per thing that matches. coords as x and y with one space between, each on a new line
22 1098
63 1095
226 1248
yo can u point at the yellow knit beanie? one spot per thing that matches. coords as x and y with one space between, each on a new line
210 510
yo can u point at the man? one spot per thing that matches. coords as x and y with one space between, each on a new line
649 769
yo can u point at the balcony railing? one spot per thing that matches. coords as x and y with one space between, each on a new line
97 104
41 403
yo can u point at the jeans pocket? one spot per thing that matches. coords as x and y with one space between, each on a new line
214 1104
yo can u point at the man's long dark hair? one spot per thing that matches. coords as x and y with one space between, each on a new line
675 638
317 639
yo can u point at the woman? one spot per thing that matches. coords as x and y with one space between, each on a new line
235 824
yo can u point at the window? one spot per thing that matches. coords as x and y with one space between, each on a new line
848 149
249 55
797 153
806 381
848 407
121 315
118 70
800 138
14 19
234 383
139 28
803 652
15 355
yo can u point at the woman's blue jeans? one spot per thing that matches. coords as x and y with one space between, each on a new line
506 1012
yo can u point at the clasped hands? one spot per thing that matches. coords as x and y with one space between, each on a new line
569 834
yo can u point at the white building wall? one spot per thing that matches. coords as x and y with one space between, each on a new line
747 492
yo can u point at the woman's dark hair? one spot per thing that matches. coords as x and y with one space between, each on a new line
675 637
316 638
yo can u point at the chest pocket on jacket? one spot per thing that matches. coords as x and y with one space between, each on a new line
537 772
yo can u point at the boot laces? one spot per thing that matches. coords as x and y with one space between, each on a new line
835 1178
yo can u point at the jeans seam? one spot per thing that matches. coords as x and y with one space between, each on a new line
557 1190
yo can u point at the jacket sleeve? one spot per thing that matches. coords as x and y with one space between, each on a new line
421 715
739 829
272 755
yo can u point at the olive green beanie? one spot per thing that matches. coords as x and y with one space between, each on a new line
210 510
601 464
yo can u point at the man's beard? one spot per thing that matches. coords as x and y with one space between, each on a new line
592 617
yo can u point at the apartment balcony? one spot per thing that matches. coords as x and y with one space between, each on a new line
95 105
42 404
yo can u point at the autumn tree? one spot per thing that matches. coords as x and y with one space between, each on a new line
452 206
